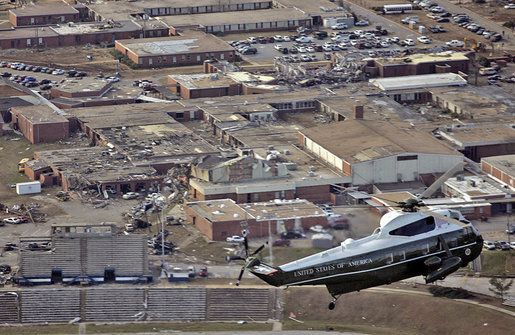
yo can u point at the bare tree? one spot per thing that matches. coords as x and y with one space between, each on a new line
499 286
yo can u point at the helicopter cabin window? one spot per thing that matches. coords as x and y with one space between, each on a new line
418 227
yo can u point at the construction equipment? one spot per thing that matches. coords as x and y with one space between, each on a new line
21 165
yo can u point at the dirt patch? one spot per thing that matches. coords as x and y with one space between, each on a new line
492 10
394 313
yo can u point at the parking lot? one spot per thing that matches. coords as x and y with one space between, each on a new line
311 46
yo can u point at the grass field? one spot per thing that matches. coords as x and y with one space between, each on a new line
381 313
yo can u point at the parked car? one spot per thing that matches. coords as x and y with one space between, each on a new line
130 195
455 44
317 229
489 245
292 235
304 39
282 243
12 220
235 239
5 269
249 51
10 246
408 42
503 245
362 23
339 26
512 245
424 39
487 71
509 6
511 230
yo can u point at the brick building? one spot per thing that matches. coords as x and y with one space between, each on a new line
192 48
247 178
502 168
195 86
86 87
417 64
40 15
218 219
72 34
253 21
40 123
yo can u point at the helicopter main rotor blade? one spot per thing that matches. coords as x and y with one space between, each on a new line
246 246
234 258
240 276
258 250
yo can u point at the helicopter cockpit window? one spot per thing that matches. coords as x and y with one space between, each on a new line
418 227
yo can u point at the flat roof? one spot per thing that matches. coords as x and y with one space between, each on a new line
84 84
40 114
505 163
28 32
219 210
44 10
227 210
467 135
419 81
191 42
486 103
445 56
96 27
282 210
127 115
119 9
203 80
362 140
476 187
216 19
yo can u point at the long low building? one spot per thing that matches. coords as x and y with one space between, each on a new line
192 48
261 20
72 34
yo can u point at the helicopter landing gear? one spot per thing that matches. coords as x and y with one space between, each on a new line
332 304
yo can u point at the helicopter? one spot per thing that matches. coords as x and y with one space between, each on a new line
407 243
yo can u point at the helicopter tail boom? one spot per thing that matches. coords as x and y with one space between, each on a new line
269 274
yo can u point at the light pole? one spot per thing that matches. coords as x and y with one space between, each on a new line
270 241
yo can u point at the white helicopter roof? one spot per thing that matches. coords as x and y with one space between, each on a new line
380 239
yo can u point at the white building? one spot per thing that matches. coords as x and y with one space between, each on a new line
376 152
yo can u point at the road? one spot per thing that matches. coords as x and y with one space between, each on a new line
472 284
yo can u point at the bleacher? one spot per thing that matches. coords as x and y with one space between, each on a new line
9 307
54 305
88 255
248 304
126 304
177 304
122 304
65 256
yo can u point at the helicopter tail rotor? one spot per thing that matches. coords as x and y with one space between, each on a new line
249 259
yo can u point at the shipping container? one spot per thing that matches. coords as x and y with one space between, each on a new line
31 187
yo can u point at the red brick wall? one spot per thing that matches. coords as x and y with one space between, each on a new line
40 132
41 20
316 194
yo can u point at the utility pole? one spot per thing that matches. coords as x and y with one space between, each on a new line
270 241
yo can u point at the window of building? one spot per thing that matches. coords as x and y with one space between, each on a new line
179 115
221 56
407 158
198 58
418 227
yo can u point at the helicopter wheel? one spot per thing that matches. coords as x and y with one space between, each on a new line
332 305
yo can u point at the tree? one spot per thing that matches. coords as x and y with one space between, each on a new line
500 286
483 61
